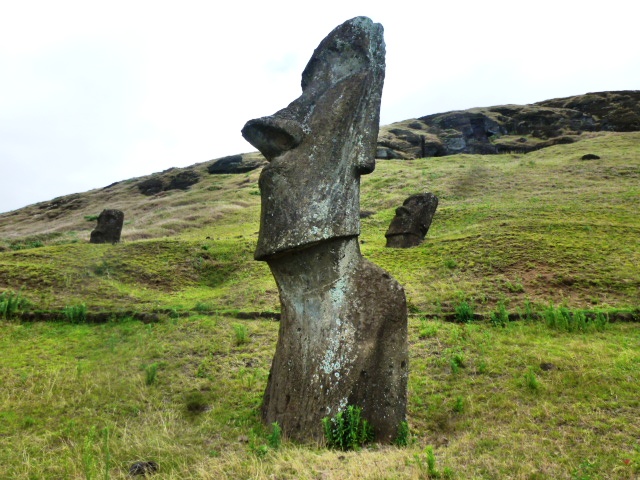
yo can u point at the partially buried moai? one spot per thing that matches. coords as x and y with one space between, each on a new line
109 227
343 329
412 221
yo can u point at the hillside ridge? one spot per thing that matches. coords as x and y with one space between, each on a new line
478 130
511 128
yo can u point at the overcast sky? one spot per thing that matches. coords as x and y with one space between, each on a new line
93 92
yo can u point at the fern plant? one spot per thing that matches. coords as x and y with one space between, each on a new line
347 430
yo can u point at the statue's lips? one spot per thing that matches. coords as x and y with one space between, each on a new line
272 135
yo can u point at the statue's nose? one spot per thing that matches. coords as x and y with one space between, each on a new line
273 135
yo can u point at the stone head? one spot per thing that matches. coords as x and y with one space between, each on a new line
319 145
412 220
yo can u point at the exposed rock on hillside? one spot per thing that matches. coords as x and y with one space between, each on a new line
159 183
61 205
237 163
511 128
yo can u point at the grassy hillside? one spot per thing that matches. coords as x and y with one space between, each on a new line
540 227
548 395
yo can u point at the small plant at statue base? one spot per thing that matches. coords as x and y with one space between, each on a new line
347 430
274 438
402 439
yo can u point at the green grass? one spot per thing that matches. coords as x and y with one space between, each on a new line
76 397
543 246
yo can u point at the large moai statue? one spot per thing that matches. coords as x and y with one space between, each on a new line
343 329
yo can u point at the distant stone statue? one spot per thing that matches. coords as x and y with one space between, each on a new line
343 328
412 221
109 227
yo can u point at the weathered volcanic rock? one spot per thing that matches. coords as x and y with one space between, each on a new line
510 128
164 182
612 111
109 227
412 221
183 180
236 164
151 186
343 329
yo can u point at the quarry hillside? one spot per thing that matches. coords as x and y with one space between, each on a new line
523 300
522 218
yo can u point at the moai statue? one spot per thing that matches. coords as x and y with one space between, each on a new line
412 221
109 227
343 328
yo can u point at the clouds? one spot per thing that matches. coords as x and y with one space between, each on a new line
93 93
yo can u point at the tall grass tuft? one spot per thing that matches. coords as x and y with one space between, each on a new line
464 312
565 320
11 303
531 380
500 317
151 374
75 313
404 434
426 463
274 438
241 334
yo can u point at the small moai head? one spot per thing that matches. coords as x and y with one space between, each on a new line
109 227
412 221
321 143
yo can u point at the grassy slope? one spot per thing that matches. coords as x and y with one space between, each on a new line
544 226
76 403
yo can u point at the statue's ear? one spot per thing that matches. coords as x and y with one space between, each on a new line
367 124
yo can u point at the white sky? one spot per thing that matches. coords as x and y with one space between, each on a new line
93 92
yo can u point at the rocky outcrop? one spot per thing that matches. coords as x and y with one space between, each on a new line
162 183
412 221
183 180
237 163
343 328
612 111
109 227
61 206
510 128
